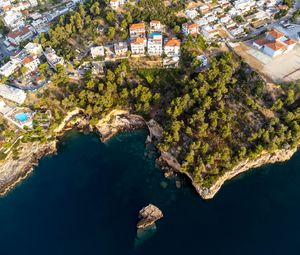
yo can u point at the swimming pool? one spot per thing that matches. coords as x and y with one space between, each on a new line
22 116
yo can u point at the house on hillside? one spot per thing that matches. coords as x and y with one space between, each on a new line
138 45
274 43
20 35
190 29
137 30
155 44
120 48
172 47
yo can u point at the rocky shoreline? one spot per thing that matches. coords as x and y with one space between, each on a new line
13 171
208 193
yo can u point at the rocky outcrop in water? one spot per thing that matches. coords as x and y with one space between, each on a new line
148 216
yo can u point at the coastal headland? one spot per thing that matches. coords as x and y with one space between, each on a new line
12 171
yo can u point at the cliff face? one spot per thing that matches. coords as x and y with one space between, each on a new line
14 170
116 121
208 193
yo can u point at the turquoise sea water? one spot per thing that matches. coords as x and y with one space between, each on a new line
85 200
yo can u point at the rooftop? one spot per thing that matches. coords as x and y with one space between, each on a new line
275 33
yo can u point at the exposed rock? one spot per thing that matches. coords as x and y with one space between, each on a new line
116 121
265 158
208 193
155 131
148 216
14 170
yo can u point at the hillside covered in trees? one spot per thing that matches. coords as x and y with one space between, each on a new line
211 119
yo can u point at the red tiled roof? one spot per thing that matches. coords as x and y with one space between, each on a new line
15 34
275 45
276 34
137 26
173 42
261 41
290 41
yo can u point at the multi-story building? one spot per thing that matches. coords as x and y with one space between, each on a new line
155 44
120 48
13 94
40 25
20 35
155 25
137 45
52 58
13 19
137 30
190 29
34 49
31 63
9 68
172 47
210 31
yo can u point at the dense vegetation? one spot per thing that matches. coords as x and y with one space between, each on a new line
212 119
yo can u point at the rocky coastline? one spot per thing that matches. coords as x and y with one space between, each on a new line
265 158
13 170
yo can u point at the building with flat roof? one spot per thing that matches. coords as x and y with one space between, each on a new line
97 51
12 94
120 48
52 58
9 68
155 44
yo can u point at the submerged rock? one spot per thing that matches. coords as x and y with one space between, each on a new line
148 216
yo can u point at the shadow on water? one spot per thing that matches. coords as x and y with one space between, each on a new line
86 199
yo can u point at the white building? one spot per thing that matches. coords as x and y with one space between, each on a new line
209 31
20 35
190 29
114 4
155 25
191 13
13 94
172 47
97 51
52 58
31 63
137 30
137 46
201 22
155 44
244 5
13 19
121 48
40 25
274 43
9 68
34 49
